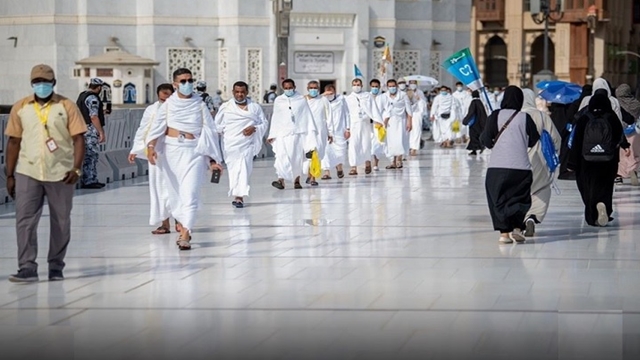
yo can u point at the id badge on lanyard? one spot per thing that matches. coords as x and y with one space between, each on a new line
43 115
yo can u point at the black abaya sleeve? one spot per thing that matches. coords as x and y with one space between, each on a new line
575 153
490 131
470 114
532 132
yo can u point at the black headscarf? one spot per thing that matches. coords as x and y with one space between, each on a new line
475 94
600 103
513 98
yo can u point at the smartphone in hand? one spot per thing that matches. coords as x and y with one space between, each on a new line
215 176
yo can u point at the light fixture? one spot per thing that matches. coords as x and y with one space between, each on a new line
15 40
405 42
221 41
435 43
114 39
188 39
364 42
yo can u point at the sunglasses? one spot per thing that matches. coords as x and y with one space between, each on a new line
184 81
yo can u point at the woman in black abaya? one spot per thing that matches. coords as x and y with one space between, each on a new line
572 111
596 179
478 114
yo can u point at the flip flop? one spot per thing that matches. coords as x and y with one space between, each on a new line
367 170
278 185
314 183
353 172
237 204
184 245
326 177
297 186
340 174
391 167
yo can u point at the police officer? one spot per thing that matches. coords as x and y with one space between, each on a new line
92 111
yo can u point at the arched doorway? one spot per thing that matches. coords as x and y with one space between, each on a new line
495 62
129 94
537 55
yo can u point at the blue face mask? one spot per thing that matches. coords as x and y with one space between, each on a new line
42 90
314 92
186 89
375 91
289 92
393 90
443 93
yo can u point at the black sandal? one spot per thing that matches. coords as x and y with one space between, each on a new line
278 185
161 231
340 174
297 186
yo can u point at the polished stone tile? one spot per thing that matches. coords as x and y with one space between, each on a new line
393 265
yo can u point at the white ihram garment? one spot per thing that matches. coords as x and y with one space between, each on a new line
336 152
185 160
419 110
321 110
239 149
379 149
397 112
294 134
464 101
362 109
443 104
158 201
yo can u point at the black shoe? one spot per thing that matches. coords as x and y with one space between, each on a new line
55 275
277 185
24 276
101 185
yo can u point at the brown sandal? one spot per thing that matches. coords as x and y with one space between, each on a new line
178 227
353 172
161 231
184 245
367 170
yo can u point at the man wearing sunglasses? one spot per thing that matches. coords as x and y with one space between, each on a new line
184 128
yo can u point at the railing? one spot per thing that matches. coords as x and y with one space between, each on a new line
120 129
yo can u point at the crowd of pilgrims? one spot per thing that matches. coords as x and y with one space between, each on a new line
323 129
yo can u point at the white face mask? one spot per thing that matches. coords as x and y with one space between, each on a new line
356 89
413 86
402 86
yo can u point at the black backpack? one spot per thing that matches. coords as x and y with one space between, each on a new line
598 144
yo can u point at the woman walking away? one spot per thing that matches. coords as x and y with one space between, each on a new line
509 132
542 178
476 119
629 164
594 157
572 112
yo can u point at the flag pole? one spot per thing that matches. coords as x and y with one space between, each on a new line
486 96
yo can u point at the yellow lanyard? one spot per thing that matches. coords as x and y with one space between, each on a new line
43 115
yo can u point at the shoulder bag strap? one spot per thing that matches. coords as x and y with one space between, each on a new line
504 127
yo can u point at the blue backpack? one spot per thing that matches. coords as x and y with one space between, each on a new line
549 151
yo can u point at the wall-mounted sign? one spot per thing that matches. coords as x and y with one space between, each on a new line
379 42
313 62
117 83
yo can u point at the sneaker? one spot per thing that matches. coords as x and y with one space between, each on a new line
517 235
24 276
55 275
505 240
530 227
603 218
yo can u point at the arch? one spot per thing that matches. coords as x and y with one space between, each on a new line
105 93
495 62
537 55
129 94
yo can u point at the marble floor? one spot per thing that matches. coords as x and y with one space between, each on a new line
398 264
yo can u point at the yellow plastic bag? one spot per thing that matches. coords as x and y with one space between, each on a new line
315 169
455 127
382 133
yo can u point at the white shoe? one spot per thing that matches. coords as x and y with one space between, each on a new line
603 218
375 168
517 235
530 227
634 178
505 240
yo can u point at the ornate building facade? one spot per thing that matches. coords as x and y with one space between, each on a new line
223 41
592 38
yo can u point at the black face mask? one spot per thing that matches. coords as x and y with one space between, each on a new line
241 102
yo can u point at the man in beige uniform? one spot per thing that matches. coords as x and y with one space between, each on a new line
44 156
